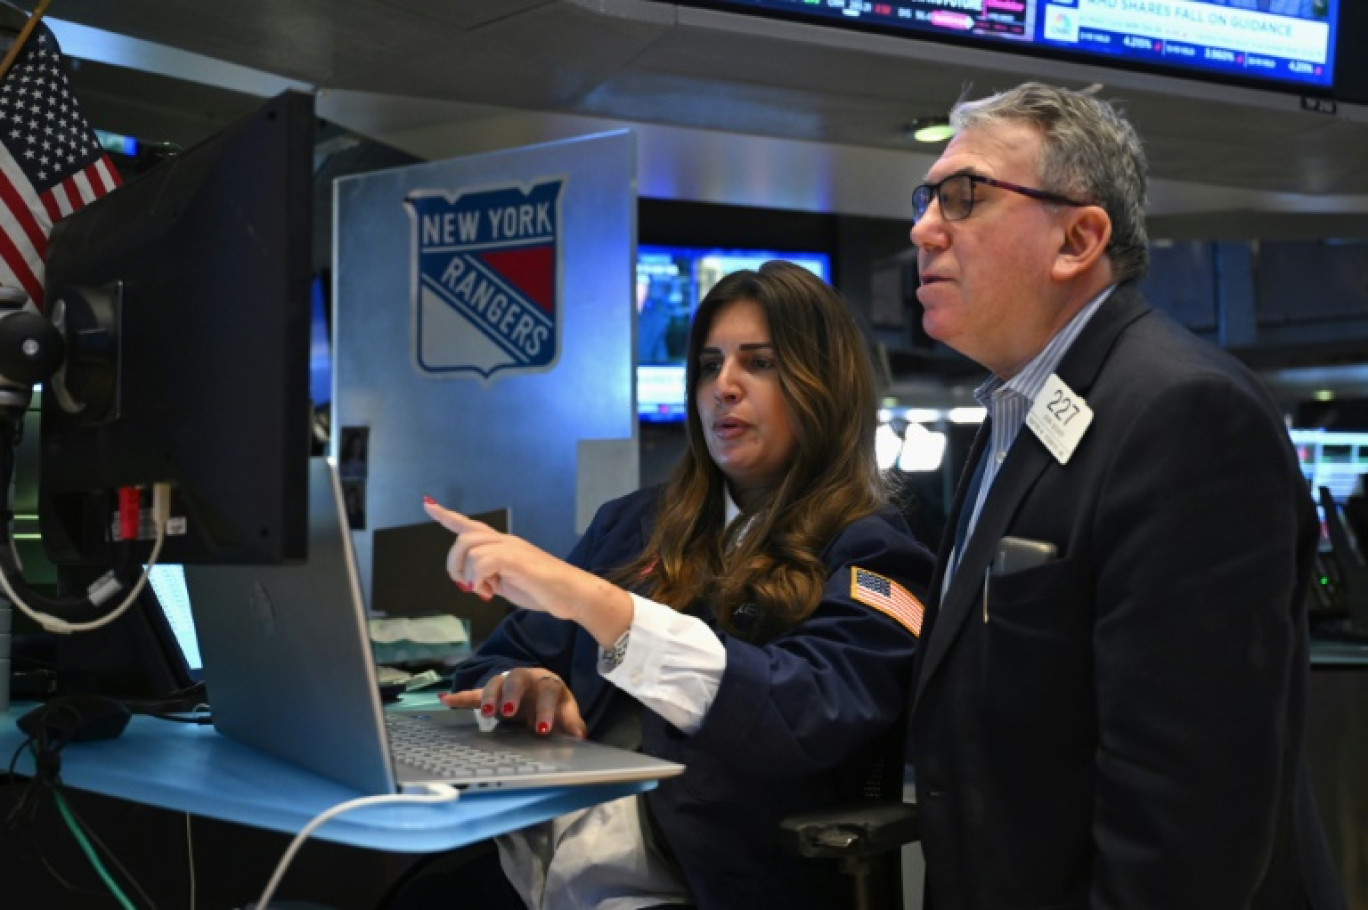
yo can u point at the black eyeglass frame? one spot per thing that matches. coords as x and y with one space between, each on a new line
928 191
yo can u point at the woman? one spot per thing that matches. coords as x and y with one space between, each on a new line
767 641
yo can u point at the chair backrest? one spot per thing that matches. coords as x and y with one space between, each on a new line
881 779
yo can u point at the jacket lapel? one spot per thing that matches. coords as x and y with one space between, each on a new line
1025 463
1018 474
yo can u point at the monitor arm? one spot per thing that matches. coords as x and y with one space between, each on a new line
75 348
31 351
88 320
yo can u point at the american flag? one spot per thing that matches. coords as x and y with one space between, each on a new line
51 164
887 596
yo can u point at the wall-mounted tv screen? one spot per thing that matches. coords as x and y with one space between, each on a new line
1288 44
670 282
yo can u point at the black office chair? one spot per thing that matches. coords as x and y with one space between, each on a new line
864 836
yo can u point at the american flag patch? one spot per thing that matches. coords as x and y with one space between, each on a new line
888 597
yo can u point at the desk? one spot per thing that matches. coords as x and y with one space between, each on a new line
192 768
142 791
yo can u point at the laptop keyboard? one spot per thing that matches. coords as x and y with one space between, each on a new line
430 748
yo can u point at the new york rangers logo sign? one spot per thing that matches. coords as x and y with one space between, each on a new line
486 279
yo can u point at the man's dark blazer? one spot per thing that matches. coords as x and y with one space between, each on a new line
1122 726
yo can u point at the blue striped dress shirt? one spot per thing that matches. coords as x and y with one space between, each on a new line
1008 401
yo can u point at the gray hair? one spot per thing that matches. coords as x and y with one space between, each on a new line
1091 153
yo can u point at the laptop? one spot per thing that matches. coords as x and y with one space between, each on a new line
289 669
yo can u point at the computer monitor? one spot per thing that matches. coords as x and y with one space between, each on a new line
184 299
670 283
149 655
1349 570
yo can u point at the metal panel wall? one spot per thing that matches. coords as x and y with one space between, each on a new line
444 392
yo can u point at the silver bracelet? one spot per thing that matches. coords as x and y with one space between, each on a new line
610 658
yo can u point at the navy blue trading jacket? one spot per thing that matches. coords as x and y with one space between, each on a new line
791 718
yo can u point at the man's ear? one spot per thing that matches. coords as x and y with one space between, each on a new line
1087 231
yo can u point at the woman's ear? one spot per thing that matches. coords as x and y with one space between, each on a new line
1086 235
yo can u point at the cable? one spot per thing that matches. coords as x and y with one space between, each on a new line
201 719
113 858
66 884
187 700
90 851
27 803
190 858
105 586
14 759
437 793
46 780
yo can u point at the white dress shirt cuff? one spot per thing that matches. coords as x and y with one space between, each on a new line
673 664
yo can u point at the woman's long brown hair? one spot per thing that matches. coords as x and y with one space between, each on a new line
776 567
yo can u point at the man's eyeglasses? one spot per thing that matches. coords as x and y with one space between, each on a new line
956 196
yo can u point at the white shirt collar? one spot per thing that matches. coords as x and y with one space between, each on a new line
729 505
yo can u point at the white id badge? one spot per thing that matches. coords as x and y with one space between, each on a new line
1059 418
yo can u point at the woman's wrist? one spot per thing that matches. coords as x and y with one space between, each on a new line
605 612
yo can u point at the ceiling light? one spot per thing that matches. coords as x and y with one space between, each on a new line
930 129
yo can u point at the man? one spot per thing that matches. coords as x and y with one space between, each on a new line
1109 705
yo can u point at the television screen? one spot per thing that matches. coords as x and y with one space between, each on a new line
670 282
1337 460
1288 44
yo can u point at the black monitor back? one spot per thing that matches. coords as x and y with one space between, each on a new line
211 255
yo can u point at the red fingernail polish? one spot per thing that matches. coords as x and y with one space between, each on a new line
543 727
487 710
429 500
509 708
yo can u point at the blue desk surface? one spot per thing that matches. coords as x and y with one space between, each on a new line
192 768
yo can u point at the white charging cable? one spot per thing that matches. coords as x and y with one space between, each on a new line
437 793
106 585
